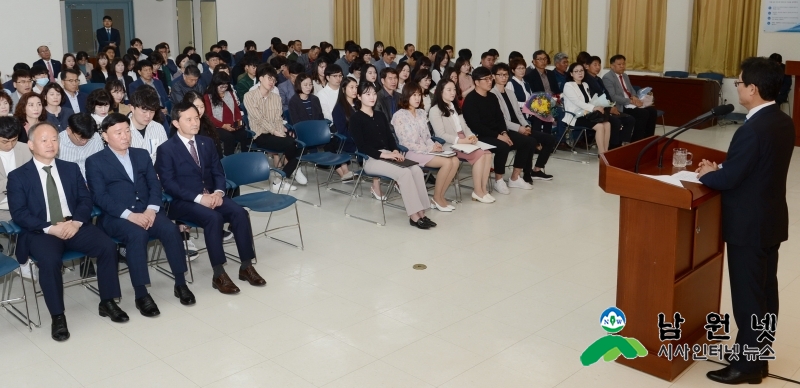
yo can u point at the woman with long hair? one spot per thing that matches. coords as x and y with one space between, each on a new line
130 66
464 77
68 62
318 73
373 137
440 63
30 111
403 74
377 52
206 126
56 114
222 108
423 79
423 63
410 124
449 124
118 73
370 74
326 51
101 72
116 90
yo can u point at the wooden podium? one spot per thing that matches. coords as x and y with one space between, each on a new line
670 250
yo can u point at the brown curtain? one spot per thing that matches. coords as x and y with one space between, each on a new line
388 18
637 29
345 22
436 23
724 32
563 26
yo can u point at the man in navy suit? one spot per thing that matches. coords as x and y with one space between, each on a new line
145 70
49 200
212 60
73 99
755 216
125 187
53 66
191 173
108 36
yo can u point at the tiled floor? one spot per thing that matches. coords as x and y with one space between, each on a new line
510 298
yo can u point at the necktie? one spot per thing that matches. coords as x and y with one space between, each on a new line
193 151
108 31
53 201
50 70
622 81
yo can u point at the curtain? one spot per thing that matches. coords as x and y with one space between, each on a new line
436 23
724 32
388 17
563 26
345 22
637 30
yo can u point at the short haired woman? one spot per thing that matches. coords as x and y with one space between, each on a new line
56 114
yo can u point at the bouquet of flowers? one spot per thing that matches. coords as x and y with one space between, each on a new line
543 106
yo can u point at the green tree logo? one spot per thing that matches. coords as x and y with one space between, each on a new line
612 346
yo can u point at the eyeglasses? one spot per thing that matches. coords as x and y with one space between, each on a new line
486 79
737 83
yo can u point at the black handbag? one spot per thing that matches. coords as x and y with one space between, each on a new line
596 117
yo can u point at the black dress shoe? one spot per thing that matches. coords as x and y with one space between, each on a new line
58 330
420 223
731 375
429 222
182 292
110 309
764 369
147 306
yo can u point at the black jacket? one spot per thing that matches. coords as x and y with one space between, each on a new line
753 180
533 78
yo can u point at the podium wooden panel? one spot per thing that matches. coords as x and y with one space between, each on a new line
793 68
670 250
681 99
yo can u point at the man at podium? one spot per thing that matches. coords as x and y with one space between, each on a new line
755 216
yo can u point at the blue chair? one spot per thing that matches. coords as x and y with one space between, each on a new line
676 74
248 168
158 264
8 268
317 133
712 76
88 88
384 200
582 131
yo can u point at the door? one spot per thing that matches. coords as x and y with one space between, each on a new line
85 17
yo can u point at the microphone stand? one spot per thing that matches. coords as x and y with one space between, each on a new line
661 156
682 128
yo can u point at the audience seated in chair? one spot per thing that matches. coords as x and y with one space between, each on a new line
80 140
248 78
146 129
622 124
621 92
190 81
145 71
30 111
53 95
101 72
23 83
13 154
286 88
577 97
207 128
53 66
50 202
542 80
329 94
222 109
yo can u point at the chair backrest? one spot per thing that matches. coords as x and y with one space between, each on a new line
313 133
712 76
676 74
88 88
246 168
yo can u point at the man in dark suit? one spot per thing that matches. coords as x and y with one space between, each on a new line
125 187
191 173
622 125
621 91
49 200
73 99
755 216
108 36
542 80
388 98
53 66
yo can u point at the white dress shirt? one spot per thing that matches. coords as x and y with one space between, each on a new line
73 100
61 196
751 112
189 148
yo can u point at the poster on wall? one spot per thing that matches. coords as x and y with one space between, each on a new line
781 15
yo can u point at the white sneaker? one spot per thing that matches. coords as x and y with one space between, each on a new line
519 184
348 178
25 271
500 187
191 249
286 188
299 177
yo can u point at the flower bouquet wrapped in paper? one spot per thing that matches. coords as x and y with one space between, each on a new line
601 100
543 106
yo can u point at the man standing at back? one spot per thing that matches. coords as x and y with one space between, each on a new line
755 216
108 36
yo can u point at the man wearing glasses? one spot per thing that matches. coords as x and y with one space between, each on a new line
80 140
330 93
74 100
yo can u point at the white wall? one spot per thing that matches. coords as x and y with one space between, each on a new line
19 46
155 22
311 21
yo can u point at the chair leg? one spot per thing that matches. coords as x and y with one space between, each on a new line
31 267
7 301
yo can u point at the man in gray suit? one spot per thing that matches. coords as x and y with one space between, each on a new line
307 59
23 82
12 155
621 91
386 60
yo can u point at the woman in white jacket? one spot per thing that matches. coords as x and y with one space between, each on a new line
576 100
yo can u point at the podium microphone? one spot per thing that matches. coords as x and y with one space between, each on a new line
721 110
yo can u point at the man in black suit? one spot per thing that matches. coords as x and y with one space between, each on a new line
755 216
108 36
542 80
388 98
191 173
49 200
53 66
622 125
125 187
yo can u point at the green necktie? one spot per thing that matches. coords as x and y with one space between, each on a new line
53 202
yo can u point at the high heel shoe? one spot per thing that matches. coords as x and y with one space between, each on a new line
446 209
485 199
376 196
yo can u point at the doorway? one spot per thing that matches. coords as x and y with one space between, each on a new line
85 17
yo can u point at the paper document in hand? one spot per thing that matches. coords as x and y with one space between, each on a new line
666 179
687 176
445 154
